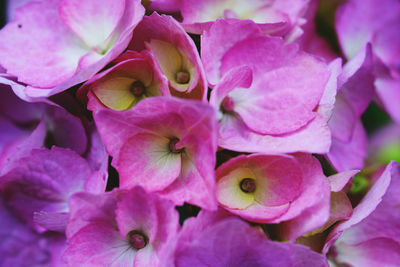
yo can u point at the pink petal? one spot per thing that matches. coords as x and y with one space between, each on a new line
349 155
315 191
136 211
358 21
92 22
50 57
240 77
86 208
339 180
380 252
145 160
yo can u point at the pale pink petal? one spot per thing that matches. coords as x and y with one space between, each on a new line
92 22
339 180
379 252
51 51
145 160
327 102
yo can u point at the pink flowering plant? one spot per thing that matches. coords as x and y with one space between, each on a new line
182 133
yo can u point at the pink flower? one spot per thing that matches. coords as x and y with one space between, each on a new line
120 228
122 86
267 93
175 53
55 44
273 188
166 145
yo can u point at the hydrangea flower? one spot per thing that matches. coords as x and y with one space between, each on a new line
120 228
272 188
68 47
166 145
268 105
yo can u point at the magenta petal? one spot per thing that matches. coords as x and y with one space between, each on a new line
221 37
137 210
357 80
21 245
14 152
88 208
44 181
388 91
53 221
315 188
310 219
349 155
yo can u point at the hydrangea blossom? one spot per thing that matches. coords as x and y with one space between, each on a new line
120 228
68 47
271 188
166 145
259 109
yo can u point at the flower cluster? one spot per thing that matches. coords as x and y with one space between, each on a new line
199 133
